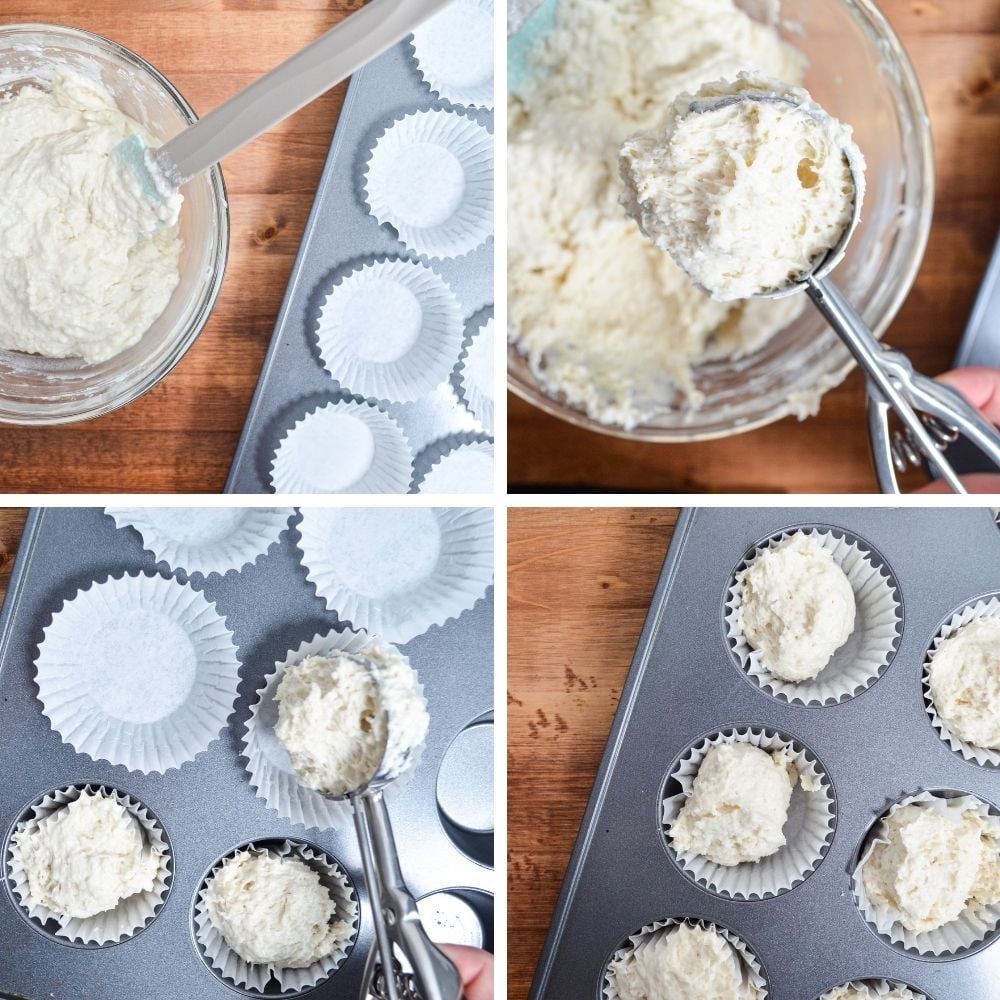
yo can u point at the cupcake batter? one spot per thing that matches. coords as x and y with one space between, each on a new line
738 805
851 992
331 722
87 262
274 911
797 609
933 864
86 857
965 682
746 197
682 963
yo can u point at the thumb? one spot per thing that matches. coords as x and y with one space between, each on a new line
475 966
980 386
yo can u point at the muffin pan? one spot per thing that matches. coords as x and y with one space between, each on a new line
876 748
207 808
341 236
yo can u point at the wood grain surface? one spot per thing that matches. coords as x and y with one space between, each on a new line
956 50
579 586
11 526
181 436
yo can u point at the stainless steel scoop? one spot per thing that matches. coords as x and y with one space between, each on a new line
397 921
933 415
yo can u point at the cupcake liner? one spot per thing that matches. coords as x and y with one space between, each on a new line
751 964
230 966
877 988
390 330
343 447
977 755
976 923
204 540
113 926
397 571
869 649
139 671
453 53
808 830
475 375
465 467
269 767
430 177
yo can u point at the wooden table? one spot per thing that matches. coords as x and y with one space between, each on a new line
11 526
579 586
956 50
181 436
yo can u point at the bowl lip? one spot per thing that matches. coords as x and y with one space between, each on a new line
220 257
868 11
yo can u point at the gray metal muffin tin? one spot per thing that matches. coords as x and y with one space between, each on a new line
877 747
339 235
208 807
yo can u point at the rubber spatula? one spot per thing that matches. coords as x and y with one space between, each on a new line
292 85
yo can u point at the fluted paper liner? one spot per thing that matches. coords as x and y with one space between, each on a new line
453 53
976 923
255 977
343 447
112 926
475 375
390 330
204 540
138 670
467 467
808 829
397 571
978 755
430 177
876 988
270 768
751 967
869 649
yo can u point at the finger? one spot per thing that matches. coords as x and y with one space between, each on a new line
980 386
476 969
976 482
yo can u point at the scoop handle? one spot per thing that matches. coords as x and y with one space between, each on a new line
295 83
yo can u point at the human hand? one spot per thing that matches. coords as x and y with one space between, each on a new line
475 966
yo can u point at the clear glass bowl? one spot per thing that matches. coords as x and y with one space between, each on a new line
37 390
859 72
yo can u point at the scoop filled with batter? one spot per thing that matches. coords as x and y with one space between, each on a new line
861 991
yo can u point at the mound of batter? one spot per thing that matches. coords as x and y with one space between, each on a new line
852 992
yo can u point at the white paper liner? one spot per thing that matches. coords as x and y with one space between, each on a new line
256 977
132 914
397 571
808 829
269 767
869 649
475 375
343 447
390 330
139 671
977 755
430 177
751 965
205 540
466 468
876 988
974 925
453 52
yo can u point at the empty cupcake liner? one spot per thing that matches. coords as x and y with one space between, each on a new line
113 926
271 773
475 375
230 966
977 755
430 177
974 925
869 649
752 969
139 671
808 829
875 988
390 330
343 447
205 540
397 571
460 467
453 53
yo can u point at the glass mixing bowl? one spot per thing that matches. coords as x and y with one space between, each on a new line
859 72
37 390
